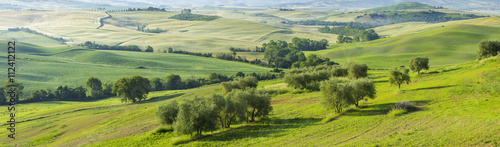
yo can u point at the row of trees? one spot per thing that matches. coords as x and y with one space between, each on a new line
313 60
93 45
146 9
422 16
98 90
191 53
358 35
27 30
356 25
147 30
205 114
186 15
310 77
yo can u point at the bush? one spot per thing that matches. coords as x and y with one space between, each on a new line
162 130
401 108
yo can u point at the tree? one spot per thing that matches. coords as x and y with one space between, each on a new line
419 63
340 39
257 102
95 86
170 50
240 74
488 49
227 109
362 88
149 49
399 76
168 113
173 82
19 90
357 70
3 98
157 84
133 89
337 94
186 11
107 89
195 115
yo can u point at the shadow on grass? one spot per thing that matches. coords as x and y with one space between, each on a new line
378 109
435 87
274 127
159 98
381 81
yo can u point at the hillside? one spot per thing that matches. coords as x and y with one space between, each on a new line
444 46
403 6
459 106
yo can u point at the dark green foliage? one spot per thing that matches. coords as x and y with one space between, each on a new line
303 44
3 97
186 15
337 94
60 94
240 83
107 89
133 89
95 86
192 53
168 113
93 45
360 35
217 78
162 130
488 49
170 50
195 115
174 82
419 63
157 84
355 25
405 105
147 30
19 90
27 30
362 88
357 70
149 49
240 74
280 54
233 49
422 16
399 76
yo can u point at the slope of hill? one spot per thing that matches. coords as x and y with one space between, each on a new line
445 45
458 106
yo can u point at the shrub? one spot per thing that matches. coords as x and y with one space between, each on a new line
401 108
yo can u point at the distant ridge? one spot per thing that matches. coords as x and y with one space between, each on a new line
405 6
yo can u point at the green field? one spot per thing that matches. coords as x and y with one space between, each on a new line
459 106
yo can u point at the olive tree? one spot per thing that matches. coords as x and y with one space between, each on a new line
362 88
419 63
337 94
195 115
95 86
488 49
399 76
168 113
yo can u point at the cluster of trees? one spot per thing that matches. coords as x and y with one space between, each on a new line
206 114
146 9
27 30
93 45
286 9
356 25
345 32
310 77
339 93
98 90
422 16
5 89
190 53
313 60
147 30
233 49
186 15
488 49
303 44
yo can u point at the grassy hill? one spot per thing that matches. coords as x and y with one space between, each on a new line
444 46
459 106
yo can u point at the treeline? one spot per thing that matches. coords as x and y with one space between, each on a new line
344 33
98 90
147 30
146 9
241 103
27 30
356 25
283 54
186 15
93 45
191 53
422 16
309 77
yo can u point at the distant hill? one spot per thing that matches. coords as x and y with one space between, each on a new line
405 6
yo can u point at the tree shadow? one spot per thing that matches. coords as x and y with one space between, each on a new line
379 109
274 127
435 87
159 98
453 69
381 81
